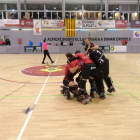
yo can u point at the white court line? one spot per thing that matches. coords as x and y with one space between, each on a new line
24 126
138 62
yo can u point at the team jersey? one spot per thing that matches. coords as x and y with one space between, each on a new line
85 58
95 55
68 74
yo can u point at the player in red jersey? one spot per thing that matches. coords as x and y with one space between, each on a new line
68 81
79 78
88 72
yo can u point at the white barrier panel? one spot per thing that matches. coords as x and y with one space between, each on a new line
52 23
136 34
106 23
37 27
9 22
118 48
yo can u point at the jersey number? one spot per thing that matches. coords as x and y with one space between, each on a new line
98 52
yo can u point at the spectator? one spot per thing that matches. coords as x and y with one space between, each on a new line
124 41
24 17
72 16
30 43
67 16
5 41
31 17
40 44
61 43
1 42
83 43
122 17
8 42
71 43
104 17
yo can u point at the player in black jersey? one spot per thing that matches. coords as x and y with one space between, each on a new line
102 64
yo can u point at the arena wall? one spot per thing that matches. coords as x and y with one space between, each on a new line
101 38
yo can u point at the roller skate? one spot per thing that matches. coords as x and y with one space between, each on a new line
63 89
102 95
111 89
88 97
82 99
65 92
85 96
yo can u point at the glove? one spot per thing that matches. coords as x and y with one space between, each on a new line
80 64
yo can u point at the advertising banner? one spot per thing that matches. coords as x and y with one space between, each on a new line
106 23
86 23
136 34
52 23
118 48
26 23
9 22
37 27
135 23
121 23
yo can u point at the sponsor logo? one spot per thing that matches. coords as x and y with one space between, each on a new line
22 23
100 23
79 23
112 48
137 34
137 22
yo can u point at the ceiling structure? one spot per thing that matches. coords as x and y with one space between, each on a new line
73 1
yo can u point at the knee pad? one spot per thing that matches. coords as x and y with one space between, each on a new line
73 88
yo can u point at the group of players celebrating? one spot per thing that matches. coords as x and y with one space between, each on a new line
92 66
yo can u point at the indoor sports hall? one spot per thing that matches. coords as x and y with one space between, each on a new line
35 40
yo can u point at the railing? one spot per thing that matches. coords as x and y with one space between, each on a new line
83 24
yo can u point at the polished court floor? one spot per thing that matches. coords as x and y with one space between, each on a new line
55 118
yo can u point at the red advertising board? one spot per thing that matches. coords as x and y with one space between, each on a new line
121 23
26 23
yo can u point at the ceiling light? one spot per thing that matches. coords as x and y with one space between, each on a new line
54 7
13 10
75 8
117 8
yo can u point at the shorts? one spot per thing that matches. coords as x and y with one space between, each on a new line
67 81
89 71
